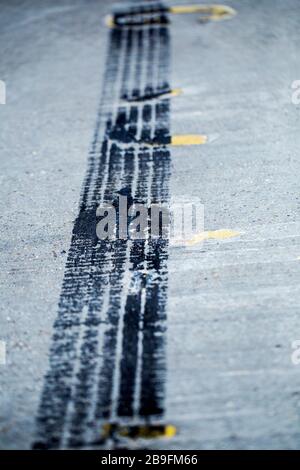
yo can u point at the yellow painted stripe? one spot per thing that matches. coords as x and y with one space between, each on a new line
170 431
207 12
182 9
139 431
210 12
176 92
213 234
169 94
109 21
107 430
148 432
188 139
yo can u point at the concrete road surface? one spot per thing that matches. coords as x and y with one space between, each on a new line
192 345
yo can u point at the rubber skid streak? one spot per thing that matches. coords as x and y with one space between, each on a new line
107 359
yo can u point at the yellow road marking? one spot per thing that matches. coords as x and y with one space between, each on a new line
188 139
170 431
176 92
150 431
168 94
109 21
213 234
209 12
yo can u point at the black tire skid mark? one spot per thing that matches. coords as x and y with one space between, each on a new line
104 399
155 281
118 247
77 285
133 312
141 14
88 356
84 287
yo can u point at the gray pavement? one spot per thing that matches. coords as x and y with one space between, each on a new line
233 304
